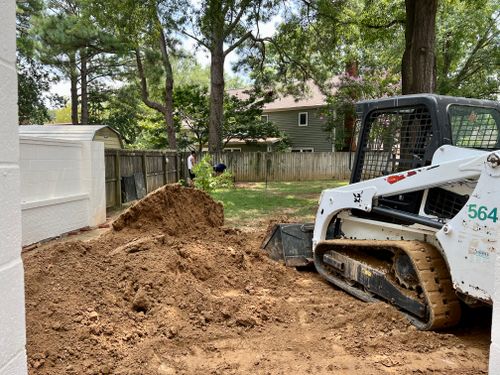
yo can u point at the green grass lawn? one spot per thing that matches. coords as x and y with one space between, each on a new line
253 202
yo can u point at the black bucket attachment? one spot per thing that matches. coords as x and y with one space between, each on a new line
291 243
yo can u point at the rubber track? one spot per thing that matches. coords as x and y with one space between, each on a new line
442 302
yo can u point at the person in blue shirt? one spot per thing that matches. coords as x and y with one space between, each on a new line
219 168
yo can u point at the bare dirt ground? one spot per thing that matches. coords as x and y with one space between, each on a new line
169 290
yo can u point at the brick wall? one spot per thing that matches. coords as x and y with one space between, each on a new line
62 187
12 322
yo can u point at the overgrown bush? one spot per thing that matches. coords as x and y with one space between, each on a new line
206 179
225 180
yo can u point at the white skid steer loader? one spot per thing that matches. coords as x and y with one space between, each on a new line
418 226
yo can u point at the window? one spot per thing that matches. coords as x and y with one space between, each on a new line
303 118
474 127
394 140
265 118
303 149
232 149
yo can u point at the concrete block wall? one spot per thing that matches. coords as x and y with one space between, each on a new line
62 187
12 321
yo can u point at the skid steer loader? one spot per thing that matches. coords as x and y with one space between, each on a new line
418 226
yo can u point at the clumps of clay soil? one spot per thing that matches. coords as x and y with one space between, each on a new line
172 209
169 290
165 274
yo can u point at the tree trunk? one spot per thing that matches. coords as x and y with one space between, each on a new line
216 96
164 109
350 118
169 119
84 96
169 93
74 89
418 67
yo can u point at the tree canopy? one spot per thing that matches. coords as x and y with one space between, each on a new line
133 65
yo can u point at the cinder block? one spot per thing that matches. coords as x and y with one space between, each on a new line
16 366
8 31
10 218
494 367
12 322
9 139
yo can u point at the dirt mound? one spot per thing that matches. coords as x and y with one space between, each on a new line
107 302
170 291
167 271
172 208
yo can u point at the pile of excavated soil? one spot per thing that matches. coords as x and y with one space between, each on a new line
173 210
169 290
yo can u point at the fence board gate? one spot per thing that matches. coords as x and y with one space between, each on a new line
157 168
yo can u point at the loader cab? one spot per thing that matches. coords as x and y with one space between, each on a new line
402 133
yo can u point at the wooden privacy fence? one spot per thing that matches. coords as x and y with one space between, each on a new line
286 166
155 168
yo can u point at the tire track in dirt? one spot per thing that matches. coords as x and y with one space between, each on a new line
171 291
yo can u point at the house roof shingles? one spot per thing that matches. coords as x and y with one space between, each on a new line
313 98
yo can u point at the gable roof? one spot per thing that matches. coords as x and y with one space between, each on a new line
313 98
67 132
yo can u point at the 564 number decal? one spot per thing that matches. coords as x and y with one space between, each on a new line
482 213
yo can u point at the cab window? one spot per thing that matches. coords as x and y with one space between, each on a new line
474 127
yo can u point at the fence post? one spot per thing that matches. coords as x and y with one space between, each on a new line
268 164
165 173
145 172
118 178
178 166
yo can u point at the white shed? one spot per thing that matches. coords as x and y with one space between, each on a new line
101 133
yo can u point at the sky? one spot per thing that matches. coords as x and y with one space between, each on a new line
202 56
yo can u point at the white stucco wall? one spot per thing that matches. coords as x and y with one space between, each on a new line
62 187
12 321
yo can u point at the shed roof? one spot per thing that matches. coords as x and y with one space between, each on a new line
68 132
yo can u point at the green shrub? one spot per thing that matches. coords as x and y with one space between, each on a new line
205 178
225 180
203 171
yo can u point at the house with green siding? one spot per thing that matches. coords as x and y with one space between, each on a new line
302 119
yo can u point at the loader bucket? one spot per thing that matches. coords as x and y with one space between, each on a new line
290 243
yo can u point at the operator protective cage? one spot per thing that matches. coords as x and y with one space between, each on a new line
403 132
